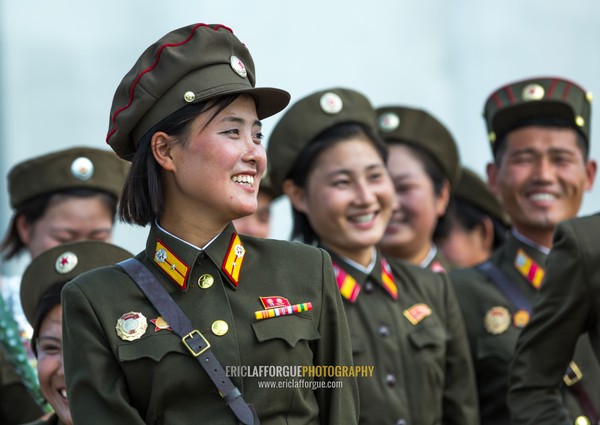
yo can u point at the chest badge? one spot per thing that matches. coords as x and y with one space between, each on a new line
417 313
160 324
131 326
274 301
497 320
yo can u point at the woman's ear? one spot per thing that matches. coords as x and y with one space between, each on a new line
296 194
487 233
23 229
443 199
162 150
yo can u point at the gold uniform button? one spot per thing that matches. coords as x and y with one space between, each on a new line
582 420
206 281
219 327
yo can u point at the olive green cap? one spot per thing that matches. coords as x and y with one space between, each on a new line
472 189
74 168
306 119
59 265
400 124
189 65
515 104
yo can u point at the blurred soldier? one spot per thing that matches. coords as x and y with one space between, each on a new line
566 308
259 223
60 197
40 294
425 167
477 222
539 129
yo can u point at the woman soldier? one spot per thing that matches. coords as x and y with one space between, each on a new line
424 165
185 340
325 155
40 297
60 197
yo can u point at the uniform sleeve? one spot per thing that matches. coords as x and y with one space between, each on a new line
336 405
460 404
546 345
96 389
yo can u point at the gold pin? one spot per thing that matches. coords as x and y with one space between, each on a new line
189 96
219 327
206 281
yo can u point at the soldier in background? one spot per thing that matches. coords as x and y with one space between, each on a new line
477 223
41 285
259 223
59 197
425 167
539 129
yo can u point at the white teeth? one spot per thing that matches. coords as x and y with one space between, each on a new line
63 392
364 218
542 197
244 179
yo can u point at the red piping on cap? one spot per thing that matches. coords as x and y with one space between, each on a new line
509 92
566 92
161 48
497 100
552 86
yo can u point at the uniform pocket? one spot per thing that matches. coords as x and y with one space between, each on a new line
291 329
497 346
154 347
428 337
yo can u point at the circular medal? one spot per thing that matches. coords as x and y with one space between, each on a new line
131 326
497 320
521 318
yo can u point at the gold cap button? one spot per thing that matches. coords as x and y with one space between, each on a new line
189 96
205 281
582 420
219 327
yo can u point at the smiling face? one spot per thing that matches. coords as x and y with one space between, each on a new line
541 178
50 364
410 231
348 198
67 219
212 176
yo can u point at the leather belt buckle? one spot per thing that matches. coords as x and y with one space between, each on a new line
573 375
191 335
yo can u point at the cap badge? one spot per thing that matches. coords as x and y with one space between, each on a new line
131 326
497 320
331 103
533 92
65 262
238 66
234 258
388 122
416 313
160 324
82 168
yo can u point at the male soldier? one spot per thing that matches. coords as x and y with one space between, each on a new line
567 306
539 129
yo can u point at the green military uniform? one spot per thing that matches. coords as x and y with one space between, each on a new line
420 130
154 379
492 316
416 343
566 308
494 323
52 420
404 321
17 405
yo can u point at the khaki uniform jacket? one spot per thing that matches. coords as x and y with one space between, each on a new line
422 371
155 380
568 306
493 336
17 405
